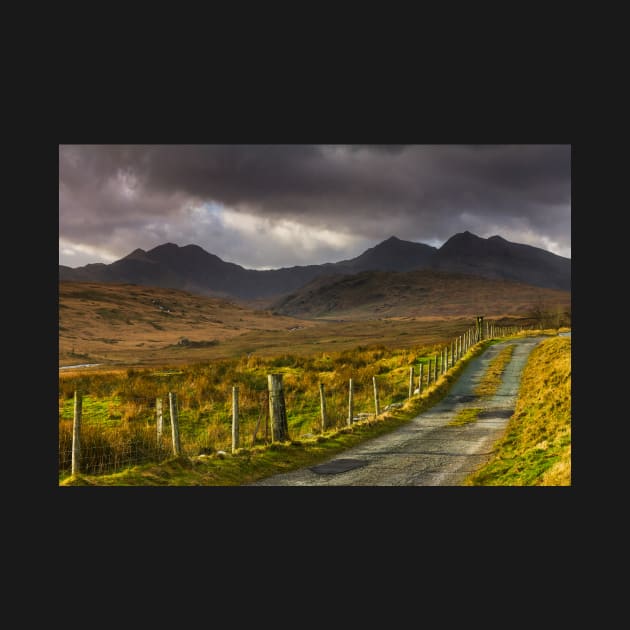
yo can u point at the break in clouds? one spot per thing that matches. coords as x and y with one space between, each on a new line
269 206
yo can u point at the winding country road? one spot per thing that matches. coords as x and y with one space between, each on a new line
425 451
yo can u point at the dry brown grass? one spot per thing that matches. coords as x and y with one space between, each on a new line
492 378
122 325
114 323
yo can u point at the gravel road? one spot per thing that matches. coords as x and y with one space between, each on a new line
425 451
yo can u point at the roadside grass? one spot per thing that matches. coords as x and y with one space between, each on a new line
492 378
250 464
536 449
465 416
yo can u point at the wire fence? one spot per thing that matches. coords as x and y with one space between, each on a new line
105 434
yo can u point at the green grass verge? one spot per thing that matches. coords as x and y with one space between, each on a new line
536 449
491 380
465 416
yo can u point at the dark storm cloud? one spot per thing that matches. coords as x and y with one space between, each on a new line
426 193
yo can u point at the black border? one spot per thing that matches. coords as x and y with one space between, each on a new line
375 114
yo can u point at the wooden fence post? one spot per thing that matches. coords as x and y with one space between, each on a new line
234 418
172 402
159 423
420 379
76 432
411 381
377 406
322 406
430 371
435 375
277 409
350 403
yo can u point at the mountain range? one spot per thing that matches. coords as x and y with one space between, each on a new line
191 268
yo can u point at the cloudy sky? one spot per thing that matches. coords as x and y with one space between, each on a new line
269 206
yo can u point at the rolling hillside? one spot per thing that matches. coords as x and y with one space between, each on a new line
129 323
427 293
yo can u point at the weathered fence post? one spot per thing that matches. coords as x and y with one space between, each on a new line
234 418
322 406
76 433
377 406
159 423
430 371
420 379
411 381
435 375
350 403
452 354
444 360
172 402
277 409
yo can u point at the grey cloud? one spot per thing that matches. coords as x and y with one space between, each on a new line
418 192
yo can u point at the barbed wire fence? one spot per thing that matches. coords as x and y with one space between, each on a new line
99 437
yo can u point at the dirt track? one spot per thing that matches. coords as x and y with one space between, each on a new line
425 451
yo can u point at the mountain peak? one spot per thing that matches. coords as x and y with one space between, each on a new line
465 234
193 248
165 246
136 254
462 239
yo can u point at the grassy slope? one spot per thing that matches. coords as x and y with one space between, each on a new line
536 450
492 379
124 323
416 293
